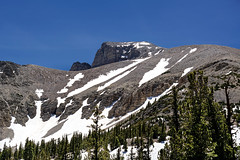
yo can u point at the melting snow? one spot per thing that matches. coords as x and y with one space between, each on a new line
60 101
186 71
157 52
103 78
193 50
115 79
228 73
154 149
74 123
71 82
39 92
157 71
148 100
181 58
236 135
34 128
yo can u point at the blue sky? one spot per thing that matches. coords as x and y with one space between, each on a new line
56 33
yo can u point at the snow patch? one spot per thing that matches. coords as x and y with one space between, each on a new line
228 73
157 52
115 79
154 149
157 71
193 50
39 92
71 82
34 128
144 105
181 59
236 135
80 125
60 101
103 78
186 71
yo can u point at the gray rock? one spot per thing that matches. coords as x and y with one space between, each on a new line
77 66
111 52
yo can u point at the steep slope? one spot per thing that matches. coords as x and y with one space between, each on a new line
43 103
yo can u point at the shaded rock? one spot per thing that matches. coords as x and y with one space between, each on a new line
48 109
77 66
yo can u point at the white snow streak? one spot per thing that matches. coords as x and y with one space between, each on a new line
60 101
39 92
144 105
34 128
181 58
193 50
157 52
186 71
71 82
115 79
157 71
103 78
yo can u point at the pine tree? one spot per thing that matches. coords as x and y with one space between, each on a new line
28 153
96 132
198 127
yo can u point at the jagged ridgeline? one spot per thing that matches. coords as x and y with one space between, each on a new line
42 103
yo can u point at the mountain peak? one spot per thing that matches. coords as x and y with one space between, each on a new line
111 52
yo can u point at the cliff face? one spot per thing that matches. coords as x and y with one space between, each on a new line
61 102
111 52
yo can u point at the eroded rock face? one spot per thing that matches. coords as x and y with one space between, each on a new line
111 52
77 66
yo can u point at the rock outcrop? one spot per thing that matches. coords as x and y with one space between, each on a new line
111 52
77 66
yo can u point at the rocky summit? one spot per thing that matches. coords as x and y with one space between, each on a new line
44 103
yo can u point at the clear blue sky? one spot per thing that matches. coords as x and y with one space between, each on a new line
56 33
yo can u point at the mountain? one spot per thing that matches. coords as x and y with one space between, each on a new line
44 103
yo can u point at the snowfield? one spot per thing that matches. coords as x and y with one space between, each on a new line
71 82
157 71
186 71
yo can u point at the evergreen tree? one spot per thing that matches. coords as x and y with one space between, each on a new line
198 127
96 132
28 153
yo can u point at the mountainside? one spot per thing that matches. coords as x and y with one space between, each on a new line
43 103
